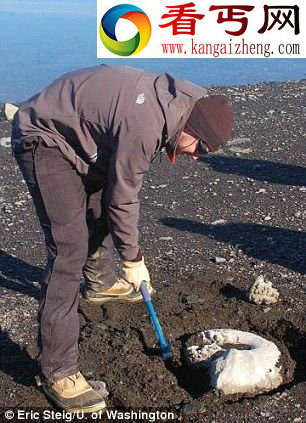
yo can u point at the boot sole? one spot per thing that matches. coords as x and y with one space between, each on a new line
90 409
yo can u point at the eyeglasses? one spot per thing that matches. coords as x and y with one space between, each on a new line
202 148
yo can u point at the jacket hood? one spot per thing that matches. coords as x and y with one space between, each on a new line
177 99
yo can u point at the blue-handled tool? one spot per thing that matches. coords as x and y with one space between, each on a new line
165 346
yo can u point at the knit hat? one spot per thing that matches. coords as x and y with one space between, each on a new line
211 120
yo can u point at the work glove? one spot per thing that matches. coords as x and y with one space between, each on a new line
134 272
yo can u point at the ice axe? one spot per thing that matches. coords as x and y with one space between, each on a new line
165 346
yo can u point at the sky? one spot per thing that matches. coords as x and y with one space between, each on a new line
50 7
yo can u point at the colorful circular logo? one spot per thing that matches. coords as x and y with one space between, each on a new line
108 26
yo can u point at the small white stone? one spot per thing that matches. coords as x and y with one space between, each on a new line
10 110
218 222
5 142
220 260
165 238
20 203
263 414
238 141
158 186
267 218
235 149
261 191
303 189
262 292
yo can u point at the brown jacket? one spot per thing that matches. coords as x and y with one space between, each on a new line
113 122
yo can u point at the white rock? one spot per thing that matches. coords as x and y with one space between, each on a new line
232 371
9 111
158 186
165 238
219 260
5 142
218 222
235 149
262 292
238 141
20 203
261 191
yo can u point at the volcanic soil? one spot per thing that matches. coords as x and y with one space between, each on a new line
245 205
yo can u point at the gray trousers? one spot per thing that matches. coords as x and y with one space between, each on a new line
70 211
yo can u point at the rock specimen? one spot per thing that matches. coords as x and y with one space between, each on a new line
237 362
262 292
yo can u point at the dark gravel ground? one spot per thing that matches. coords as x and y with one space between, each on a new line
257 185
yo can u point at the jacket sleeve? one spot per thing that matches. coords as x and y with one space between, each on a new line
133 150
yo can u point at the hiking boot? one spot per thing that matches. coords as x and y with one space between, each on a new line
121 291
74 394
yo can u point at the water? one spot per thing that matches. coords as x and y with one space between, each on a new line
42 39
